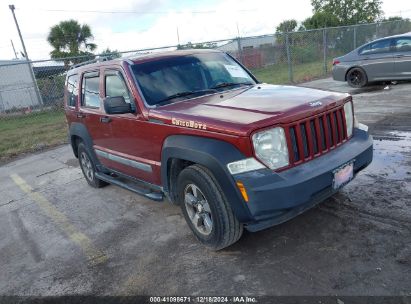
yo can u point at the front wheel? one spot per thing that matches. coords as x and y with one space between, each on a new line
206 210
88 167
357 78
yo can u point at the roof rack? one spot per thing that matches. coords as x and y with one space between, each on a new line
99 59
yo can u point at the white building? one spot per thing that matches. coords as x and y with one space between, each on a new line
17 89
248 43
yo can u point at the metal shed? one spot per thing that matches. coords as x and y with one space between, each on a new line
17 88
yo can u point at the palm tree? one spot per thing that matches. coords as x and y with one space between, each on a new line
110 54
69 39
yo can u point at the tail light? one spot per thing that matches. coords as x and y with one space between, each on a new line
336 61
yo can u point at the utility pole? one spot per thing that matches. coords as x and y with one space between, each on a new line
178 36
239 46
12 8
14 50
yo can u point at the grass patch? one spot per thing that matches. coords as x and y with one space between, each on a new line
278 73
31 132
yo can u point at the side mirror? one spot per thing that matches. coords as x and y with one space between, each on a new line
116 105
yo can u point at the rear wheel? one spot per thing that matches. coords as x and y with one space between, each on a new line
206 210
88 167
357 78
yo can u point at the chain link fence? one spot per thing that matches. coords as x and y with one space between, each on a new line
31 93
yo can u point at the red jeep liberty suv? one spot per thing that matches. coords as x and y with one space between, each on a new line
198 128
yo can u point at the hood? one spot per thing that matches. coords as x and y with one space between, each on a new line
244 110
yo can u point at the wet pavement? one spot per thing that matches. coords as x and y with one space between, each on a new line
61 237
391 153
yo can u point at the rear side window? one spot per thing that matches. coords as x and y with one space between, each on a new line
91 92
72 90
403 44
382 46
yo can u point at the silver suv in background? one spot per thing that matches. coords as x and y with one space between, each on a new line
383 59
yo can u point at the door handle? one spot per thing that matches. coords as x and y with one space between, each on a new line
105 119
81 115
399 56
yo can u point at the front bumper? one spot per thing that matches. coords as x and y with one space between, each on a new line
277 197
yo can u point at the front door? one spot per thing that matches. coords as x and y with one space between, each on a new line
122 149
377 60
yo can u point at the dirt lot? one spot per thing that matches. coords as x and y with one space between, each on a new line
61 237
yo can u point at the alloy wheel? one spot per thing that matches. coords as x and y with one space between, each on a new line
356 78
198 209
87 166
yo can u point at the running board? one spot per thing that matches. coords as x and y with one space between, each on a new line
155 196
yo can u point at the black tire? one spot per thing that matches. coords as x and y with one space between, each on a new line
226 229
88 167
357 78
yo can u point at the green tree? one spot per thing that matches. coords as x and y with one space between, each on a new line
394 18
350 12
69 39
110 54
320 20
393 26
287 26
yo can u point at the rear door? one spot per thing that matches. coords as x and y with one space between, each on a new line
402 56
71 98
377 59
91 108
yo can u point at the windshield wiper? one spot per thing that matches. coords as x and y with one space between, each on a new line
184 94
230 84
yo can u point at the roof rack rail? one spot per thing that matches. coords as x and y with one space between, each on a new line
95 60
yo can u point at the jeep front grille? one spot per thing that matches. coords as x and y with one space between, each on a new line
314 136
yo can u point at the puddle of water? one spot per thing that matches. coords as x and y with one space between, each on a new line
392 156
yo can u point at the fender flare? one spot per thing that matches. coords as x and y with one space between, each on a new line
80 130
212 154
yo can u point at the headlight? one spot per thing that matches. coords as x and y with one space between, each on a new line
349 118
270 147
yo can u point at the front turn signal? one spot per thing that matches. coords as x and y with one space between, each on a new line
243 191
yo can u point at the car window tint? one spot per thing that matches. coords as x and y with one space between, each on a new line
217 70
159 79
91 92
382 46
72 90
403 44
115 86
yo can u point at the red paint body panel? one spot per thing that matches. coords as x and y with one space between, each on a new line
231 116
240 112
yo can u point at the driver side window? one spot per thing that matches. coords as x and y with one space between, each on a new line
377 47
116 86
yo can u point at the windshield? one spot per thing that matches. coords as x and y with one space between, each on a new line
170 79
